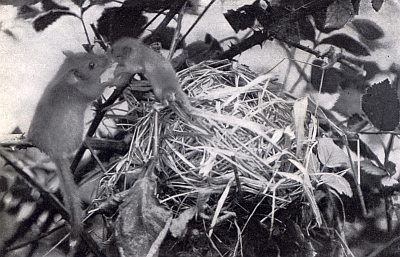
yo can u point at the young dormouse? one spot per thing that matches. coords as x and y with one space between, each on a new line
135 57
58 122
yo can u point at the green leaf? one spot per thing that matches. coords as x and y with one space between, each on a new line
338 14
377 4
42 22
78 2
368 167
368 29
347 43
338 183
50 5
330 154
331 80
381 104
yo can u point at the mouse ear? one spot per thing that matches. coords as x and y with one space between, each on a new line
68 53
73 77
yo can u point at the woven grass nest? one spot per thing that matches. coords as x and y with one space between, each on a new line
236 158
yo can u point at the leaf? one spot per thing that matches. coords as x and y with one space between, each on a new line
49 5
377 4
320 20
306 28
368 29
300 113
368 167
118 22
78 2
18 2
242 18
179 225
347 43
141 219
331 80
42 22
356 5
338 14
27 12
338 183
389 181
330 154
381 104
349 102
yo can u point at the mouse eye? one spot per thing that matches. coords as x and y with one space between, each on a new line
91 65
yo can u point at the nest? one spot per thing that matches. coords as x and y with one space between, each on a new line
236 145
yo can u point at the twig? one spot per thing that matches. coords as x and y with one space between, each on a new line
170 15
388 148
197 20
43 235
96 122
99 37
23 171
177 32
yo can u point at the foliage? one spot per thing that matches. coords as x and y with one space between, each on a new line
253 161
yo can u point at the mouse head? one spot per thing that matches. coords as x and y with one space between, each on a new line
84 71
129 53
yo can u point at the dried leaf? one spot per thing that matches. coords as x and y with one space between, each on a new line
330 154
179 225
141 219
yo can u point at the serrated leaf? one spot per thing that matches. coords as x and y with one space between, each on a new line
242 18
338 183
49 5
368 167
338 14
331 80
377 4
381 105
347 43
330 154
42 22
368 29
389 181
179 225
